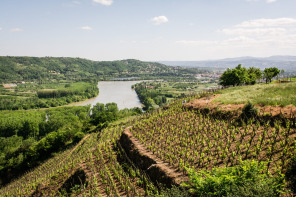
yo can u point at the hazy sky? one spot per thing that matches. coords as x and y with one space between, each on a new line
150 30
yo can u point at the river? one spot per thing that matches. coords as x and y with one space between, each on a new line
119 92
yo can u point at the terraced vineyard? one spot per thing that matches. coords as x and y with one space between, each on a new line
186 138
94 167
173 139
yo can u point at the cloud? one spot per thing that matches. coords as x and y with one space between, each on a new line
264 29
16 30
0 28
159 20
87 28
260 36
254 31
264 22
104 2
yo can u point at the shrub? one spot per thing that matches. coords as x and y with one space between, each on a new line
250 178
249 110
291 175
78 136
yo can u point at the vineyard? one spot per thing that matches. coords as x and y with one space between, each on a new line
96 166
181 139
190 139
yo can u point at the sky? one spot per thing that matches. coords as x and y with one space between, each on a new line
148 30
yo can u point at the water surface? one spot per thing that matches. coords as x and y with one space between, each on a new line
119 92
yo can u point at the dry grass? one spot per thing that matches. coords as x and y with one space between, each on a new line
282 94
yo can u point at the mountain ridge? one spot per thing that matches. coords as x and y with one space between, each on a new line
288 63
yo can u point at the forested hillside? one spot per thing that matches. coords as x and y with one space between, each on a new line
75 69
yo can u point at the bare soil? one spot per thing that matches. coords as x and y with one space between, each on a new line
207 102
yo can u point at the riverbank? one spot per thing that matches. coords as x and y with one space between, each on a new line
119 92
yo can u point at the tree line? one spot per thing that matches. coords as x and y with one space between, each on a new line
241 75
44 98
149 96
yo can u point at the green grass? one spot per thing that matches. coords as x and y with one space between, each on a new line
282 94
178 88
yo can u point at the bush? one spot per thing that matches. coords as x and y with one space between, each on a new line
78 136
291 175
250 178
249 111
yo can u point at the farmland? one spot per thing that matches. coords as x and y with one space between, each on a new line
186 139
190 139
187 143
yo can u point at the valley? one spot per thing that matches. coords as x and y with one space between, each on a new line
187 133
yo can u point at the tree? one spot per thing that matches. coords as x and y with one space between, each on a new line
237 76
240 75
270 73
103 114
253 74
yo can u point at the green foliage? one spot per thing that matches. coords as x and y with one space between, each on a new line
29 137
240 75
291 175
249 111
78 136
149 96
48 95
253 74
21 123
270 73
76 69
250 178
83 89
103 114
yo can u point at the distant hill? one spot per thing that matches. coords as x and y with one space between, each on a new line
288 63
75 69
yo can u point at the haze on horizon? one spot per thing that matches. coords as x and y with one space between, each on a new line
151 30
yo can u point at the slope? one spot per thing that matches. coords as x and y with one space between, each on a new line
75 69
176 137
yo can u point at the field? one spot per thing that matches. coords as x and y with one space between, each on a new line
179 137
191 139
168 145
34 95
281 94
